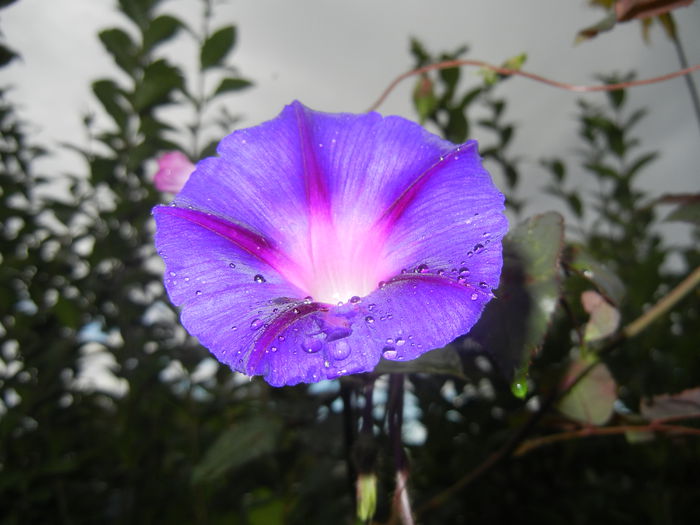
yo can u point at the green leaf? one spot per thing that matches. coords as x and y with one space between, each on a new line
160 30
110 96
245 441
119 44
514 324
639 163
604 317
6 55
443 361
217 46
232 84
606 24
683 404
159 81
582 262
687 212
592 399
457 126
424 99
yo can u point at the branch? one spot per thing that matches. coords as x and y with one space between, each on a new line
534 443
537 78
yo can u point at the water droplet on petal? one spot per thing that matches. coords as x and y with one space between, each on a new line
389 341
423 268
400 341
475 296
231 265
259 279
296 311
198 292
234 328
256 323
389 352
273 349
172 274
311 346
483 285
464 271
371 306
340 350
369 319
470 253
280 338
478 248
381 284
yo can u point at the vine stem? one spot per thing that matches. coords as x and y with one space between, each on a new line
401 511
579 88
531 444
629 331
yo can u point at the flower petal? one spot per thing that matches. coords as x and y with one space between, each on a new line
321 205
174 168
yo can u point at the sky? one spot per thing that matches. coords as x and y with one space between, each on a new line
339 55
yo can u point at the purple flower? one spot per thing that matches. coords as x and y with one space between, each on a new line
174 168
316 243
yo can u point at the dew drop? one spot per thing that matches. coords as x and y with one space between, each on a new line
475 296
326 364
259 278
369 319
381 284
234 328
340 350
273 349
311 346
295 311
231 265
470 253
198 292
400 341
389 341
371 307
280 338
478 248
464 271
483 285
355 300
423 268
389 352
256 323
172 274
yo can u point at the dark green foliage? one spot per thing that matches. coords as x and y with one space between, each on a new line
169 443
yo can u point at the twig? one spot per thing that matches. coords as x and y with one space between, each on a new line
537 78
531 444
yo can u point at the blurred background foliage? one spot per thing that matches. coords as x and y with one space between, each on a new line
111 413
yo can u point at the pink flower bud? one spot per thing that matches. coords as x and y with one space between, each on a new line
174 168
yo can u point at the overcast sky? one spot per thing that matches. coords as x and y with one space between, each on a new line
339 55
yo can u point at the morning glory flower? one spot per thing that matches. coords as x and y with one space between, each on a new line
315 244
174 168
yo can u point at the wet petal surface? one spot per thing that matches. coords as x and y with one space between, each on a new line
317 243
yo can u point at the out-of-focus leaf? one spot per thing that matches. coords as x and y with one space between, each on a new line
606 24
424 99
6 55
686 403
457 126
443 361
592 399
217 46
161 29
109 94
119 44
514 324
638 9
159 81
604 317
686 212
232 84
639 163
582 262
245 441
